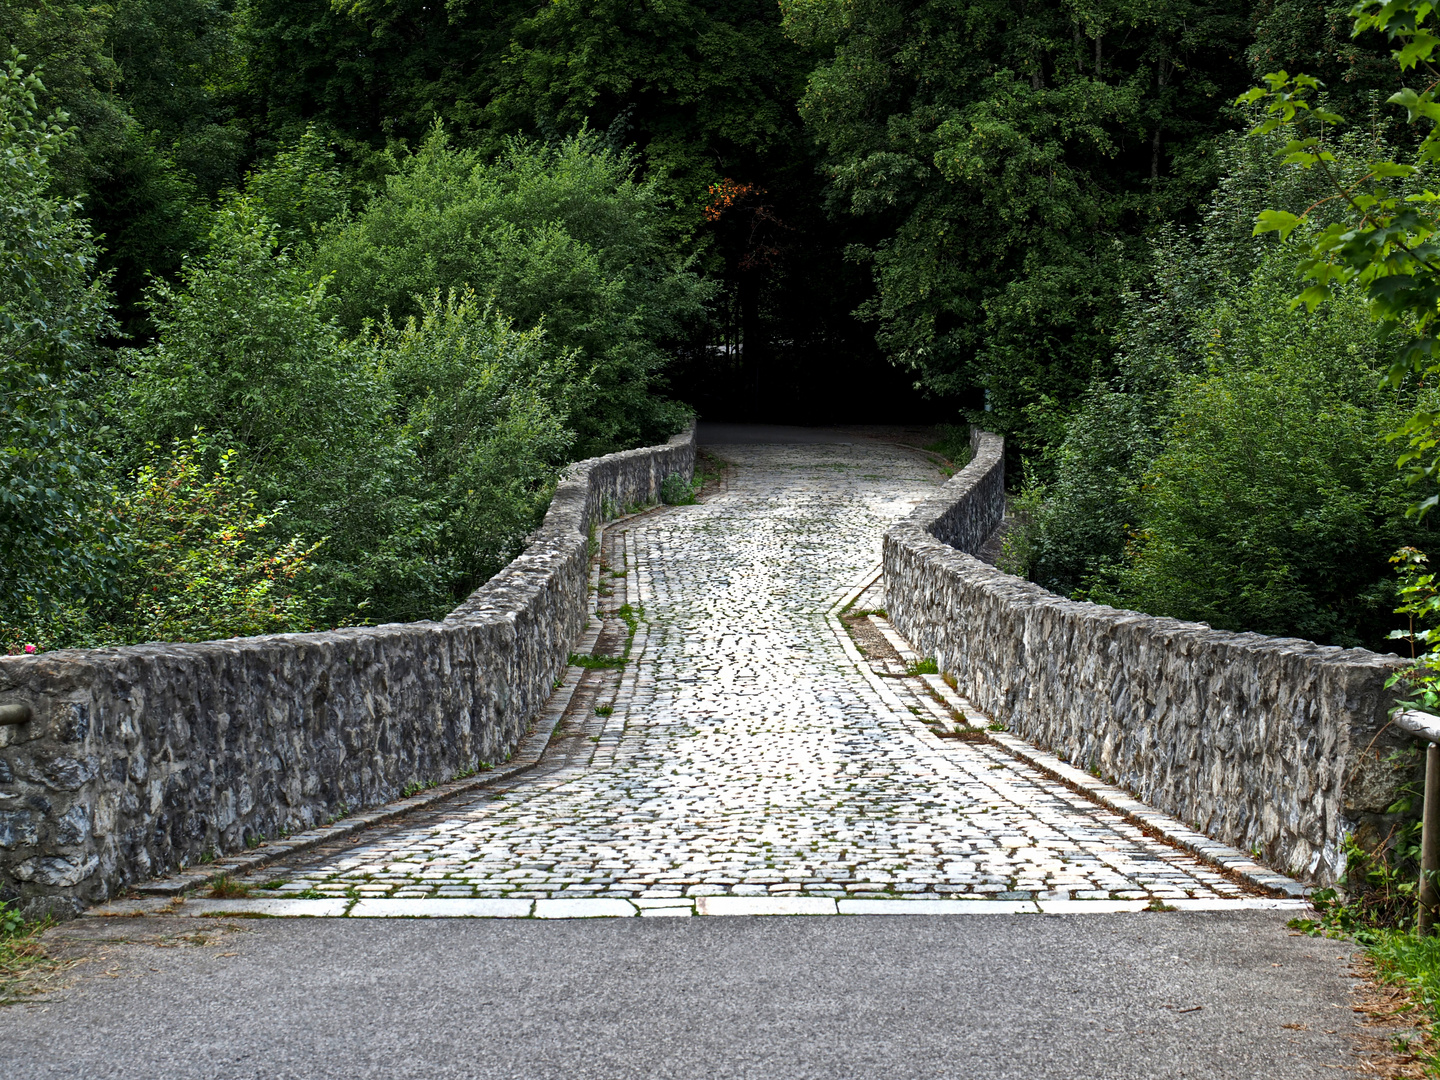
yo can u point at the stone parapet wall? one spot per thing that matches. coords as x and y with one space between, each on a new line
1274 745
139 760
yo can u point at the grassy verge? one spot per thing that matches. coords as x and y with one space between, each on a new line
1375 908
25 966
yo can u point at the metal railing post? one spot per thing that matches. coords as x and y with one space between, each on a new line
1430 842
1427 727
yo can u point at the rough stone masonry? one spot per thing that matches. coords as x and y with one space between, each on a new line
136 761
1274 745
742 760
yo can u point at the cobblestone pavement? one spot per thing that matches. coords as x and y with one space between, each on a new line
743 751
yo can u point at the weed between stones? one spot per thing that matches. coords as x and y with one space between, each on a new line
225 887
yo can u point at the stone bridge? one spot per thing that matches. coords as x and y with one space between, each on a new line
754 718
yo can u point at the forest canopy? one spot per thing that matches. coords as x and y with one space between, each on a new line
306 303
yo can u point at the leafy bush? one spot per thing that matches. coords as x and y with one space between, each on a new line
53 307
675 490
1234 470
421 453
204 564
561 235
199 561
249 349
482 407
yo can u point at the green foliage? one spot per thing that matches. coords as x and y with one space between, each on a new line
202 561
996 149
152 89
562 235
705 90
11 921
422 452
1233 469
1384 243
249 349
183 69
374 71
484 408
675 490
53 306
1271 507
300 188
199 562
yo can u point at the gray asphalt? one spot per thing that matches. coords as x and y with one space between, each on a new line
1094 997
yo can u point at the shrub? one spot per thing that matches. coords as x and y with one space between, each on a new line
54 540
204 562
1234 470
484 411
675 490
563 235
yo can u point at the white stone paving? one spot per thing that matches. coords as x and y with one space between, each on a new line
747 755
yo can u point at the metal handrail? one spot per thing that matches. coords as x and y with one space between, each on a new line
1427 727
1418 723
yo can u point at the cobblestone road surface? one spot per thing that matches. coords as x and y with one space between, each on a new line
742 750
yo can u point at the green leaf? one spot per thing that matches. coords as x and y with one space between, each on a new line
1281 221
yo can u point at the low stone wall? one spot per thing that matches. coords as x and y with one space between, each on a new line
1270 744
139 760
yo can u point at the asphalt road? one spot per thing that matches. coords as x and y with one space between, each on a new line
1096 997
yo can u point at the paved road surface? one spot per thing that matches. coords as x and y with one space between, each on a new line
1028 997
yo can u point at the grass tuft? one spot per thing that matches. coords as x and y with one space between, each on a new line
225 887
25 965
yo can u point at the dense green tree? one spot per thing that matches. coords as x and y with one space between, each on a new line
1233 469
152 89
706 92
1319 39
374 71
419 452
562 236
1014 153
53 307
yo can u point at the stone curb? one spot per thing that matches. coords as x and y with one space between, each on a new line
652 907
1231 860
1164 827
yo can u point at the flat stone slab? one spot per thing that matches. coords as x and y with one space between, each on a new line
724 906
936 907
430 908
289 909
765 905
584 909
